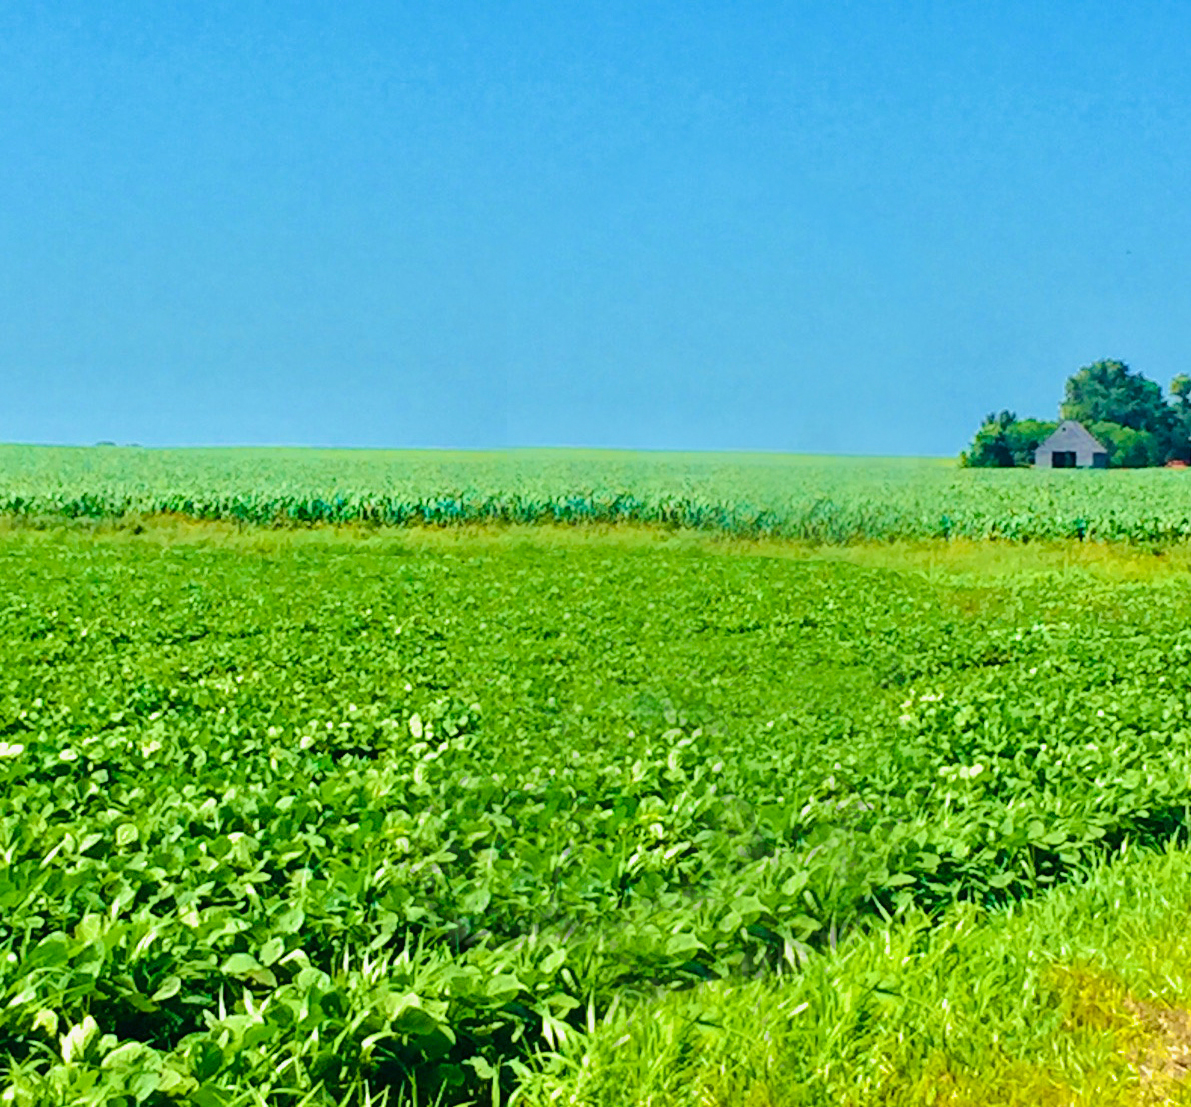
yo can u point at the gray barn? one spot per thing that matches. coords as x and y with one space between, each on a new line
1071 447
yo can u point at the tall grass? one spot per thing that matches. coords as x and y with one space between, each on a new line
1079 997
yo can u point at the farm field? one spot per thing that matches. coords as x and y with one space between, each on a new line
817 499
462 816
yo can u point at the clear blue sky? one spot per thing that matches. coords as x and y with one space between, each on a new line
811 226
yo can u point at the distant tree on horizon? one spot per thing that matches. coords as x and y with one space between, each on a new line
1004 441
1129 448
1180 404
1110 392
1125 410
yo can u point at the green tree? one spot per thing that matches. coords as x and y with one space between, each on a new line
1180 406
1110 392
1025 436
1129 448
990 449
1004 441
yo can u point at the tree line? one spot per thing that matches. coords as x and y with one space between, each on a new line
1124 410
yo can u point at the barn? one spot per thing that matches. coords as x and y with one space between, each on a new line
1071 447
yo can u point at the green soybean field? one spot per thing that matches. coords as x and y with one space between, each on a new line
412 817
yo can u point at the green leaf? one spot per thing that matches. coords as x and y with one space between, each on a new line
240 964
126 834
168 988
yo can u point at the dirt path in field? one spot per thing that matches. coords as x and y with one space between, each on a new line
1163 1060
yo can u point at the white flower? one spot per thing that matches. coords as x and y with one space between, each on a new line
11 750
68 755
415 725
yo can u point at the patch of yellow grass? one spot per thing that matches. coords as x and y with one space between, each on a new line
958 560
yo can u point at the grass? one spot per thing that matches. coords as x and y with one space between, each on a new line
967 560
1079 997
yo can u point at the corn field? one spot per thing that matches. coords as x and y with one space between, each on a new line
817 499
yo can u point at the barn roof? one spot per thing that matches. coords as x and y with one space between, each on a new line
1072 435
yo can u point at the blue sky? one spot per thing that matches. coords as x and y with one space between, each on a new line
809 226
